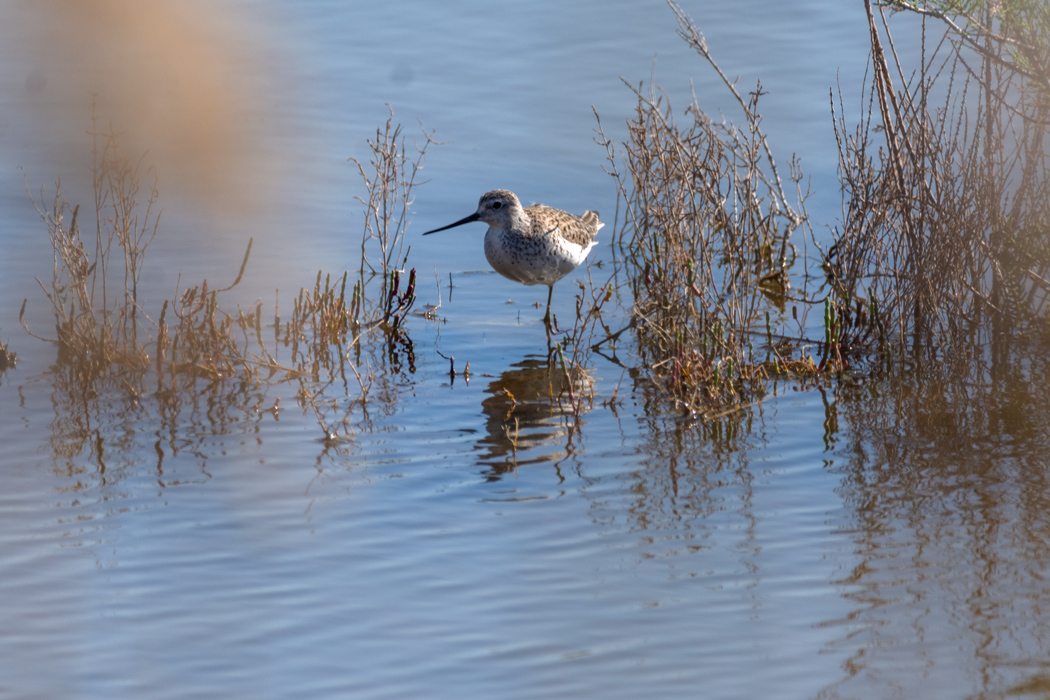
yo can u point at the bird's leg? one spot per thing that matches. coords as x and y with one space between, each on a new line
547 316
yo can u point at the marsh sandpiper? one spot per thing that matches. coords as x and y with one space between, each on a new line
534 244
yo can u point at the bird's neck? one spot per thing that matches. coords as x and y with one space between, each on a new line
520 220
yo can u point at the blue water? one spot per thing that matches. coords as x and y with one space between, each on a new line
227 550
402 564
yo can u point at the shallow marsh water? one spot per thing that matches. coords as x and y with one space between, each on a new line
854 540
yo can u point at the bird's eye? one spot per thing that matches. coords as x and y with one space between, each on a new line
497 204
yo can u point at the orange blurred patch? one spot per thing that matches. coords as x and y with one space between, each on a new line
174 79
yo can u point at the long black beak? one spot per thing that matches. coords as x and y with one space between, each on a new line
465 220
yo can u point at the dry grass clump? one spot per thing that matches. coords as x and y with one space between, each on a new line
389 178
205 341
102 333
946 212
328 323
105 339
95 278
325 331
325 311
706 240
944 247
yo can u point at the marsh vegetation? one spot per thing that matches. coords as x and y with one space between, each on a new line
721 284
742 417
941 256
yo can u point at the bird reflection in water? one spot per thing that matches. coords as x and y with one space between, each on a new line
530 417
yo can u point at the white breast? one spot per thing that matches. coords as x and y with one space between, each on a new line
536 260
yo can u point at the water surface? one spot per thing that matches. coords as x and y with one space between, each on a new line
850 540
